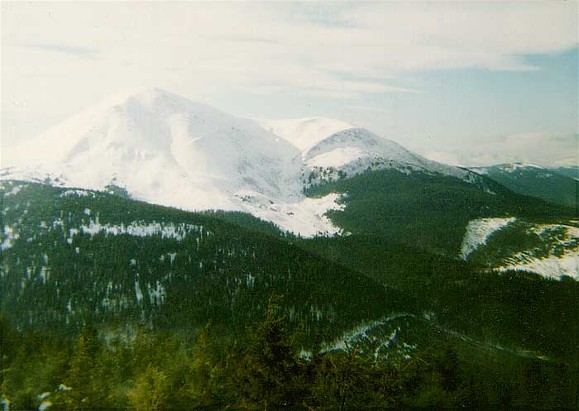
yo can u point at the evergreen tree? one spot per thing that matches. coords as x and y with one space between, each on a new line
269 372
204 368
84 394
151 391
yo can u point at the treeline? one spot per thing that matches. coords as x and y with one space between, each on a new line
262 369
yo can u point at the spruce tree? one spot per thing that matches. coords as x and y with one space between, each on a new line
84 394
269 372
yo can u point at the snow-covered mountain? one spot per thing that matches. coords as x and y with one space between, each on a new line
161 146
169 150
331 149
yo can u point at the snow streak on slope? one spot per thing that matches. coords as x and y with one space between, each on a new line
509 168
551 267
478 231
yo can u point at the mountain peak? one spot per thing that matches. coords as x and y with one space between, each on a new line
166 149
154 100
144 95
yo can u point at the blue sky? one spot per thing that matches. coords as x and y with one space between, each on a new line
468 83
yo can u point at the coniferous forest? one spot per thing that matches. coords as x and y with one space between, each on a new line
110 303
262 369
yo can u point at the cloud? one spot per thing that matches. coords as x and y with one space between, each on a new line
76 51
369 109
285 44
544 149
335 51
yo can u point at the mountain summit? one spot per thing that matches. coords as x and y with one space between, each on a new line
168 150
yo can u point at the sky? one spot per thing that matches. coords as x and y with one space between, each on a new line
467 83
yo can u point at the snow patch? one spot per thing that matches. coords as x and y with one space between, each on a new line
306 217
6 403
64 388
139 229
44 405
138 292
550 267
15 190
77 193
563 262
478 231
364 331
9 235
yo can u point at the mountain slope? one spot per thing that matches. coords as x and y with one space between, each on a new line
332 149
515 310
168 150
69 256
551 250
548 184
312 176
429 211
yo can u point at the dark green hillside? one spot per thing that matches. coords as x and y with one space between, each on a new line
426 211
261 368
518 310
572 172
558 186
166 268
111 297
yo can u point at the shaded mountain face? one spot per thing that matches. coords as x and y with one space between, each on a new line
557 185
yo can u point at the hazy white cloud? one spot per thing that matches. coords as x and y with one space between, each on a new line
368 109
76 51
536 148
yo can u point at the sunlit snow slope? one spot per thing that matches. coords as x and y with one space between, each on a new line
168 150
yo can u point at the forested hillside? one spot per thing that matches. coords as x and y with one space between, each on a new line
113 303
428 211
72 256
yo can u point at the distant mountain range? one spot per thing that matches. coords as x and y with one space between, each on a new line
558 185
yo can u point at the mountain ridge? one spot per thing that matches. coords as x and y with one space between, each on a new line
556 185
169 150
